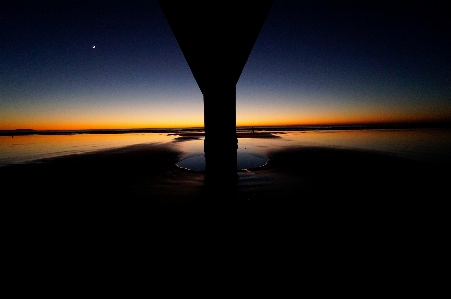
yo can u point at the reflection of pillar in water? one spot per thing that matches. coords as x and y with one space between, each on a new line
216 38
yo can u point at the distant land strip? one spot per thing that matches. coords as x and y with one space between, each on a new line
22 132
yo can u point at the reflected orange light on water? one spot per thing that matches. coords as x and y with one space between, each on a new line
422 144
30 147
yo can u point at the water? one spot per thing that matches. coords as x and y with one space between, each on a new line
431 145
28 148
245 161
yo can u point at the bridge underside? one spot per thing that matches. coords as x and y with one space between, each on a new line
216 38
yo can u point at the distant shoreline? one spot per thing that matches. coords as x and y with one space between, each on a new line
22 132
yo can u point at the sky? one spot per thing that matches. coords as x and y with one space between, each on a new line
117 65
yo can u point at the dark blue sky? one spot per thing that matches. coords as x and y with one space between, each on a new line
314 62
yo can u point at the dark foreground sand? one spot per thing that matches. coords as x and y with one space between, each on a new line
327 201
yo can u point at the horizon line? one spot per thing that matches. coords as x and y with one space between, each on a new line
425 124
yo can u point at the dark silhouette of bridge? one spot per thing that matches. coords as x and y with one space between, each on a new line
216 38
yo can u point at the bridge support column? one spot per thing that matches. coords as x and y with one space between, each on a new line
221 143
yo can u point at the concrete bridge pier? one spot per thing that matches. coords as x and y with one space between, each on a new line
216 38
221 143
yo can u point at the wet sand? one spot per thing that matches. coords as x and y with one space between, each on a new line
330 197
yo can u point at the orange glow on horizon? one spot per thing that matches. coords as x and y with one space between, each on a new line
244 118
254 123
100 126
344 120
103 123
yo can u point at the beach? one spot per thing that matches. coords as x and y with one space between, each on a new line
313 207
139 189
